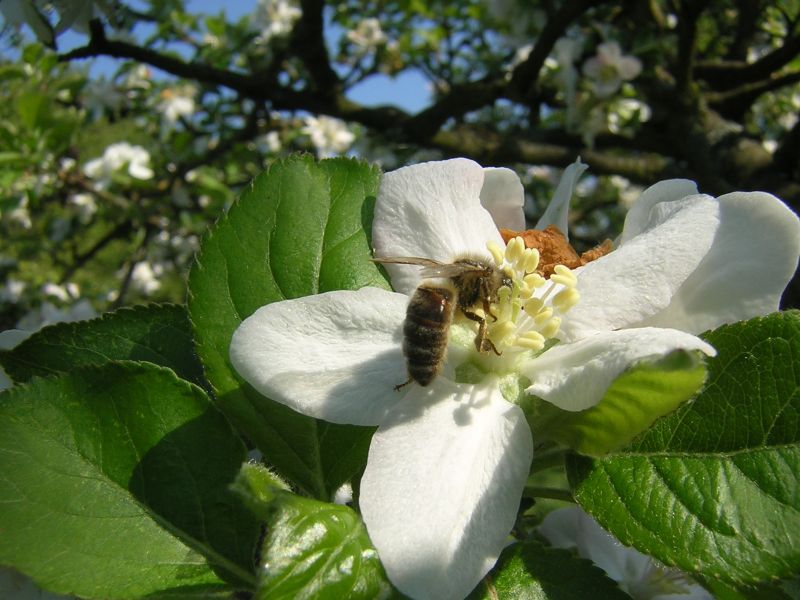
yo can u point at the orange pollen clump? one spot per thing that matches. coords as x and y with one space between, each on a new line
554 248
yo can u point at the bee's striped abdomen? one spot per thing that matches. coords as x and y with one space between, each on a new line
426 332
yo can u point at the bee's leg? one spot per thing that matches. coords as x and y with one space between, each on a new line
487 307
400 386
482 341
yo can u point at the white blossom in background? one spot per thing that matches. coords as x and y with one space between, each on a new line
274 18
637 574
66 293
100 95
628 192
609 68
566 52
48 313
138 78
12 291
368 35
624 111
114 158
20 215
176 103
269 143
330 136
145 277
85 206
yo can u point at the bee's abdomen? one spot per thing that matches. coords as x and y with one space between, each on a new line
425 332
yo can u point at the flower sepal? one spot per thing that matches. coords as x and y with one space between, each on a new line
310 545
635 400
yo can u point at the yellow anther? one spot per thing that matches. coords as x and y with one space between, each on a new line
564 276
534 280
531 260
514 249
503 294
551 328
568 281
532 340
544 315
566 299
496 251
533 306
501 330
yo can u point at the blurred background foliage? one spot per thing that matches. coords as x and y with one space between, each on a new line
126 128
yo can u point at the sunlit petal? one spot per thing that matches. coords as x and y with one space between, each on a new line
334 356
503 196
575 376
431 210
442 487
753 257
639 278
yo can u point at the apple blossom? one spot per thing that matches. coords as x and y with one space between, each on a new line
330 136
609 68
448 462
636 573
116 156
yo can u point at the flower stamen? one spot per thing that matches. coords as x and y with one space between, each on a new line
528 313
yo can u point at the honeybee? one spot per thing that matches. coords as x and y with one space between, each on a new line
472 283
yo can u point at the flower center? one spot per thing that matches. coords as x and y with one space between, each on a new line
528 313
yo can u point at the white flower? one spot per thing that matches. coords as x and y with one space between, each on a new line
145 277
176 103
273 18
636 573
85 204
330 136
20 215
65 293
567 51
448 462
114 158
100 95
12 291
609 68
368 35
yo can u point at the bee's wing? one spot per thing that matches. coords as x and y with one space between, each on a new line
430 267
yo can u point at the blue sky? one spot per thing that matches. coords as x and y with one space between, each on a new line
409 90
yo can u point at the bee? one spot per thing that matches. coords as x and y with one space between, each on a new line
470 283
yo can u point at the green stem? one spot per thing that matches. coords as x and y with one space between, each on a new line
547 460
548 492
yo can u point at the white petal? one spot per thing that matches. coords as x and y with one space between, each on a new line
503 196
753 257
638 217
335 356
639 278
557 212
571 527
431 210
442 486
576 376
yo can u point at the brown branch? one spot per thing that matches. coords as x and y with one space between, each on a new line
735 102
524 80
308 42
727 74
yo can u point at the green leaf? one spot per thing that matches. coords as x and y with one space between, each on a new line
713 488
115 484
301 228
533 571
635 400
160 334
312 549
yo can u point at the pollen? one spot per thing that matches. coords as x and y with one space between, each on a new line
530 311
